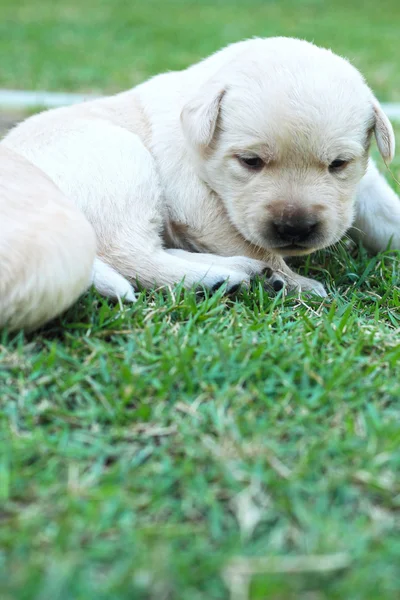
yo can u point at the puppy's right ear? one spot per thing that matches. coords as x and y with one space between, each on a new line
199 116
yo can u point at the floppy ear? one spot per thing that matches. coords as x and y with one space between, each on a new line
199 116
384 134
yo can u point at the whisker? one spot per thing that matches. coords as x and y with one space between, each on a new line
357 229
391 173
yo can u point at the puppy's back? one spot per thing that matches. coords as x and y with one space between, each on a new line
47 247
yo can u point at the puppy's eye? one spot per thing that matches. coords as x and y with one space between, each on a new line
255 163
338 165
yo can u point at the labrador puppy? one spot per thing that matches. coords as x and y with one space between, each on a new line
221 171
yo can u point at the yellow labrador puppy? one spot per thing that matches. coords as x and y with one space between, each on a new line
219 172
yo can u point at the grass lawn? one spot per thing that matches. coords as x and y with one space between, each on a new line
214 449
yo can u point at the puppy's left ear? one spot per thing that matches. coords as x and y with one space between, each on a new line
199 116
384 133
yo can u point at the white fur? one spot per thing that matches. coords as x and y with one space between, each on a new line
377 220
159 168
110 283
47 247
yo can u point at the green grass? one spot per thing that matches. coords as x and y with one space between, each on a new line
146 450
108 45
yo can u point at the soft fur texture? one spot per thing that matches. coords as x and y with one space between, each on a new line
220 171
47 247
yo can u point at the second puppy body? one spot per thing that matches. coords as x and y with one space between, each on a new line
220 171
47 247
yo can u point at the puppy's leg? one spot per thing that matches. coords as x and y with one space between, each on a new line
166 269
277 272
110 283
377 221
250 266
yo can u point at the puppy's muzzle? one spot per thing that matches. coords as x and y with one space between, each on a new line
294 231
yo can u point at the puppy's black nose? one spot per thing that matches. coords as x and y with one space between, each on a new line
294 231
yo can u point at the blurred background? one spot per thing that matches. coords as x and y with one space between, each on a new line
107 45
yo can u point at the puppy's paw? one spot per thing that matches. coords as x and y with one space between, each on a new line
297 283
275 281
231 280
230 290
257 268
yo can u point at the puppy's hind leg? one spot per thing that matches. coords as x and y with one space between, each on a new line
377 222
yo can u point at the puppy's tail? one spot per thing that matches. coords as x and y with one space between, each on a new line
47 247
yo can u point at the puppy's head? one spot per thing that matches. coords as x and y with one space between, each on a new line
282 133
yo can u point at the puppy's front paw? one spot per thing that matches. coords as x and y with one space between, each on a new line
276 276
231 280
297 283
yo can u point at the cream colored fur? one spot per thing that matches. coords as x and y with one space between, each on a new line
160 172
47 247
